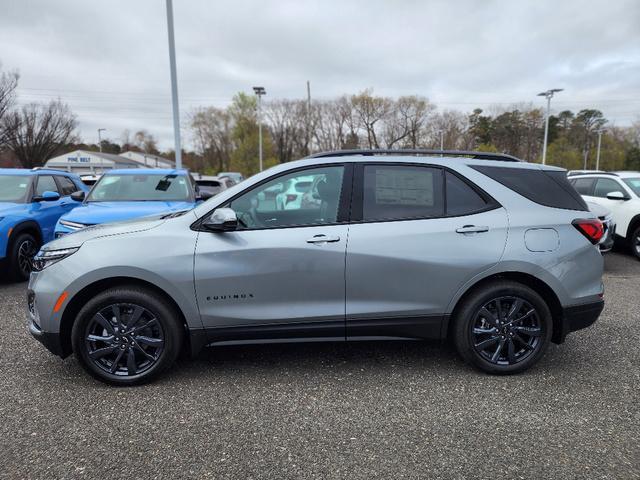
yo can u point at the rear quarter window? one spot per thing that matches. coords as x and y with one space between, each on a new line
545 187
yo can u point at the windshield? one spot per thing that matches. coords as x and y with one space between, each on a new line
634 184
143 187
14 188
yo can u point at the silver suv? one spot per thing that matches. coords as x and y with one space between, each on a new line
495 254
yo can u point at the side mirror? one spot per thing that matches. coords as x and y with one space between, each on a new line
77 196
47 196
222 220
204 195
617 196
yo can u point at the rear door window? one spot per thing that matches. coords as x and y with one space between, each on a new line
67 186
584 186
398 192
462 199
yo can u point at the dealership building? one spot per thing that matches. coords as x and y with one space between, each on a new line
86 162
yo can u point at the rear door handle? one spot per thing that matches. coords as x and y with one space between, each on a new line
319 239
472 229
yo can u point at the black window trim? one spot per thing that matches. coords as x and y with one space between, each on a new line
344 205
358 193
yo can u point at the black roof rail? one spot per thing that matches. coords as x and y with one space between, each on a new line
418 152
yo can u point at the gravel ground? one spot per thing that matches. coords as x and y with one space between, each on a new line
384 410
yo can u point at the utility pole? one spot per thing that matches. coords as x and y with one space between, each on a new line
174 85
259 91
548 95
100 138
308 117
441 139
600 132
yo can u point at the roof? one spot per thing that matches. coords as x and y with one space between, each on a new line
628 174
33 171
143 171
107 156
150 156
418 152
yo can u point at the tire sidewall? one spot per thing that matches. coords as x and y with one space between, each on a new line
465 316
165 315
14 263
632 243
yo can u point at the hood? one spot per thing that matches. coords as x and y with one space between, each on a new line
93 213
76 239
7 207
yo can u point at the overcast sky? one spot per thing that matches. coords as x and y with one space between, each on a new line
109 59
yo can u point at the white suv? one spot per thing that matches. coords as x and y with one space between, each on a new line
620 193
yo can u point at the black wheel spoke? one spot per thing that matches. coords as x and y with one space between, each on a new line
515 308
530 331
511 351
152 342
114 365
131 361
140 328
135 317
104 323
496 354
101 352
487 343
115 311
522 341
487 315
485 331
144 352
99 338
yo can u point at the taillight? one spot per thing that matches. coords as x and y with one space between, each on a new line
291 197
590 228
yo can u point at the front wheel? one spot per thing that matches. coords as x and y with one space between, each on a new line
21 252
634 243
503 327
127 336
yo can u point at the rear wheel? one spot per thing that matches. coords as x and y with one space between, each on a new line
127 336
21 252
634 243
503 327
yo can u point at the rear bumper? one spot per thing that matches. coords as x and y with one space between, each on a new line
576 318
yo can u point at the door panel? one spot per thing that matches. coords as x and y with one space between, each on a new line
412 268
266 278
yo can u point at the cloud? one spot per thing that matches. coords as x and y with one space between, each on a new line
109 60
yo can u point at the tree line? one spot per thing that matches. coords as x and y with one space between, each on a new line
226 139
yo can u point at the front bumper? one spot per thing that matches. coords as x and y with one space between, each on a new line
50 340
576 318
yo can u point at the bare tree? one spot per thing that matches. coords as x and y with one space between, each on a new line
212 135
146 142
405 121
370 112
8 84
287 122
36 131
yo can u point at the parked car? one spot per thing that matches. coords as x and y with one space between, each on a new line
236 177
213 185
89 179
130 193
291 192
608 224
499 256
31 201
620 193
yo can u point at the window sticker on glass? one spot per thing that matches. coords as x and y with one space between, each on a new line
396 187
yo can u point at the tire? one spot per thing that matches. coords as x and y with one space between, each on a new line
22 249
506 343
149 329
634 243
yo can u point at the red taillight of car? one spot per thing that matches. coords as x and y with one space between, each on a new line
590 228
291 198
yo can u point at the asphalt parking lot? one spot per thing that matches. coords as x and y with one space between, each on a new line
384 410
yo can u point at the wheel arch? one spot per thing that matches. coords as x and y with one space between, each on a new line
26 226
81 297
539 286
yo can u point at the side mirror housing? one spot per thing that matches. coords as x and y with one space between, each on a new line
617 196
47 196
78 196
222 220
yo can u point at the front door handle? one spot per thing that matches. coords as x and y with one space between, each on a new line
472 229
320 239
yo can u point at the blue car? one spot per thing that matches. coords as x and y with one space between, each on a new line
130 193
31 202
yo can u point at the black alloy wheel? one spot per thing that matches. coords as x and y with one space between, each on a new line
635 243
502 327
23 248
127 335
506 330
124 339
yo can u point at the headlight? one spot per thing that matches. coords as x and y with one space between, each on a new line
46 258
72 225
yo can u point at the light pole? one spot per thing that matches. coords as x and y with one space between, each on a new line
600 132
100 138
548 95
259 92
174 85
